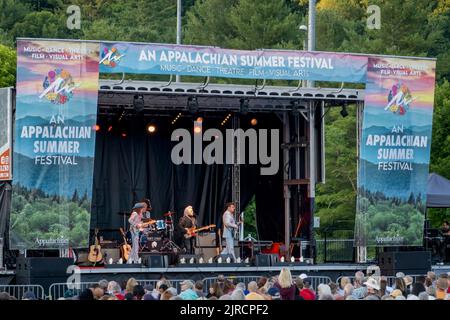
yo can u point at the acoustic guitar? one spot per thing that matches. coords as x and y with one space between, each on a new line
125 248
192 232
95 251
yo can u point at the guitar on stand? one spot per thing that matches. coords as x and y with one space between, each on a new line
95 251
125 248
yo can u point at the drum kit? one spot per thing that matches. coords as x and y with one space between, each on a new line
157 237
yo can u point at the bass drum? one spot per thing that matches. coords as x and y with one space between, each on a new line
155 241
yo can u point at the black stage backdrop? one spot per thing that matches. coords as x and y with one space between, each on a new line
130 168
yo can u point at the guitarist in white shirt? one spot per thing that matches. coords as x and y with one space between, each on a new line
229 228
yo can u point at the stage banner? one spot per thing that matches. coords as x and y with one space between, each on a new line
5 133
216 62
395 151
56 113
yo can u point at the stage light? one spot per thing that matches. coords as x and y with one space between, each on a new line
123 134
96 127
151 128
197 127
110 128
226 119
254 122
244 104
138 103
176 118
344 112
192 104
199 119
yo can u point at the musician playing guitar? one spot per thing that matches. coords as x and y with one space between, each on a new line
187 222
136 225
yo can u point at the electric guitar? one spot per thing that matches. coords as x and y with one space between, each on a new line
144 225
95 251
192 232
125 248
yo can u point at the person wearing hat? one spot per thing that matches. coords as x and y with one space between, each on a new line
396 293
135 226
372 287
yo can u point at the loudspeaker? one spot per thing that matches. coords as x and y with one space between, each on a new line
409 262
153 260
266 260
42 270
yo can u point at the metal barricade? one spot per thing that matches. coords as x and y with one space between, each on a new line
19 290
67 290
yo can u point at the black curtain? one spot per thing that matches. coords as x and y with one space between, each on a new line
139 165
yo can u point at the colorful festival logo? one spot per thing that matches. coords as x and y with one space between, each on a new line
58 86
110 57
399 99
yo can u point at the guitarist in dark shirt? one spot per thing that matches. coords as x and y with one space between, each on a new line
186 222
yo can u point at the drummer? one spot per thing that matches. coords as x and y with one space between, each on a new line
148 208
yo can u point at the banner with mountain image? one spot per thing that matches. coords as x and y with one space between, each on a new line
395 151
56 112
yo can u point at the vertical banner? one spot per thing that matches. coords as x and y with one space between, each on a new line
395 151
5 134
56 113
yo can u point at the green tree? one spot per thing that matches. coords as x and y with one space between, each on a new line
7 66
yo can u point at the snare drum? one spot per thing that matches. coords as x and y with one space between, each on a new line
160 225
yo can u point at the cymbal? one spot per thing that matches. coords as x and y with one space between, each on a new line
124 213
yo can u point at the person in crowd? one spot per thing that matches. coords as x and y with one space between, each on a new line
274 294
228 286
417 288
373 287
307 293
29 295
348 290
198 288
299 286
441 288
285 285
104 285
400 285
138 292
253 292
360 290
324 292
344 281
166 295
98 293
86 295
215 290
408 283
130 285
424 296
238 294
395 293
187 291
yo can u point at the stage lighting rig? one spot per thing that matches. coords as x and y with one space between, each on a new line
138 103
192 104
